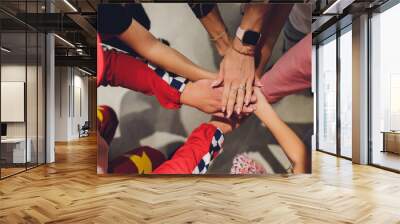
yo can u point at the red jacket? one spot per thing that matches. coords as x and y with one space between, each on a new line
203 145
196 155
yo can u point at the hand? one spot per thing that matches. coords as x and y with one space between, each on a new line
202 96
237 75
262 103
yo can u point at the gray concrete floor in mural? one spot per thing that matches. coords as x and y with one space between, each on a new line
144 122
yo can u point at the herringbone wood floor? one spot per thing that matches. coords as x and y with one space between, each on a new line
69 191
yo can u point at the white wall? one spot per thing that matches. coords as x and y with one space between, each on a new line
15 73
33 126
61 103
70 83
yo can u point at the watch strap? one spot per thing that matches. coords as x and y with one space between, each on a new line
240 33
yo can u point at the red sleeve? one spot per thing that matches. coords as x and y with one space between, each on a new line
196 155
123 70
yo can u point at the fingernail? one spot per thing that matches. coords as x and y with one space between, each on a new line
238 111
223 109
229 114
213 83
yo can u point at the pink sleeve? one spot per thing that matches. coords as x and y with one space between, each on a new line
291 73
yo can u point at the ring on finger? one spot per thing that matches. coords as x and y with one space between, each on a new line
235 89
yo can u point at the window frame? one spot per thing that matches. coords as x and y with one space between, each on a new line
378 10
335 36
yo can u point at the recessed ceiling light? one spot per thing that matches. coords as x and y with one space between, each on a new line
337 7
5 49
84 71
70 5
64 40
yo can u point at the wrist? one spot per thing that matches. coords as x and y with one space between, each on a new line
225 128
185 95
239 47
263 108
222 44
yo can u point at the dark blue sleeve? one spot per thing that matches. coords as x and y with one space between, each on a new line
201 9
112 19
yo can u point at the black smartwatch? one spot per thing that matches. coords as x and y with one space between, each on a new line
248 37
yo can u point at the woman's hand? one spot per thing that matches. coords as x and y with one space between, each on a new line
237 75
202 96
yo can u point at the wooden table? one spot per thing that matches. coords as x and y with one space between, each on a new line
391 141
13 150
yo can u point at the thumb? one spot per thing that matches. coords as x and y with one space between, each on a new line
218 81
220 77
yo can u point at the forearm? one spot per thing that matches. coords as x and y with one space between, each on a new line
216 29
197 154
125 71
274 20
253 17
287 139
145 44
173 61
291 73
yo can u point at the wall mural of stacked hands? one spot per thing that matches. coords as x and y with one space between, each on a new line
204 88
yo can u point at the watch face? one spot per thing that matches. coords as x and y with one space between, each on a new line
251 37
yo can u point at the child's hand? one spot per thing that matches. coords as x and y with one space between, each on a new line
262 103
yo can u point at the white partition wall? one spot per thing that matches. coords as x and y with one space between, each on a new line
71 102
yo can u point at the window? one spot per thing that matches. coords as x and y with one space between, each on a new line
385 89
346 75
327 96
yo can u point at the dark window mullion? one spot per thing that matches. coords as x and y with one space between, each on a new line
37 90
338 99
317 95
26 87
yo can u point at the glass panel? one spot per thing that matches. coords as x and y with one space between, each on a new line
327 96
31 100
13 87
32 89
385 84
41 99
346 94
23 89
